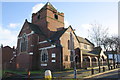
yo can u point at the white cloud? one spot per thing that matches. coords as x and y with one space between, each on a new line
13 25
66 24
8 37
37 7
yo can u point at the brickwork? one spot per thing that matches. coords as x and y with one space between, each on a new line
49 22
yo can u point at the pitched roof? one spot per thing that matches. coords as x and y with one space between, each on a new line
86 52
84 40
36 29
49 6
57 35
96 50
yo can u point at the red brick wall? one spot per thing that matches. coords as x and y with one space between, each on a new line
7 54
47 22
64 42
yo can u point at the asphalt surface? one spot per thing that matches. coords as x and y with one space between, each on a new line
113 75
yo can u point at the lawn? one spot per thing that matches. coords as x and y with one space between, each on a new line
25 72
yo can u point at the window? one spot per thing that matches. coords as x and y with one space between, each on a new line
23 43
53 55
53 61
66 57
44 55
38 17
56 16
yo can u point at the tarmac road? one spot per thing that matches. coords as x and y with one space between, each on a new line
113 75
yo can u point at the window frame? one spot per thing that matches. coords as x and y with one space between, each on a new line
24 42
43 52
53 55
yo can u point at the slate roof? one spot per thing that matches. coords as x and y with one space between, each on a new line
84 40
36 29
57 34
96 50
86 52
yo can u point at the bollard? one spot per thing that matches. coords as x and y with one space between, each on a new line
48 75
103 69
86 68
92 71
111 67
116 66
28 75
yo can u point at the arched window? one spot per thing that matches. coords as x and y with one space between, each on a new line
44 55
23 43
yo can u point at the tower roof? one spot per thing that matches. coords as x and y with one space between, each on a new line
49 6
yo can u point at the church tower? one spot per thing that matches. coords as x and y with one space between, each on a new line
48 19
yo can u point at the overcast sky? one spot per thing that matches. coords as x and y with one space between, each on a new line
77 14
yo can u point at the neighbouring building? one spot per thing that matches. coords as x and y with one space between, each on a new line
8 58
44 43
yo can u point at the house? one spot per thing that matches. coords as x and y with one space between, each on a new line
8 58
44 43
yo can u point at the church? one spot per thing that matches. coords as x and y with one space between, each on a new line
44 43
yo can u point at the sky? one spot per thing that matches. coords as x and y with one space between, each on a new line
77 14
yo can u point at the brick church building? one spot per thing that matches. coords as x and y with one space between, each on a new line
44 43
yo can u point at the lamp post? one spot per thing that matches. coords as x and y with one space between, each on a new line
74 55
75 71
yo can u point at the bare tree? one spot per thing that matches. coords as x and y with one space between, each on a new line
97 34
112 44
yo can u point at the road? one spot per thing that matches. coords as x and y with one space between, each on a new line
114 75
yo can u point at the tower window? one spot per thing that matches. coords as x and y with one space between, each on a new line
56 16
38 17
